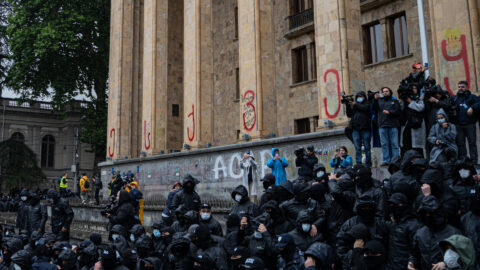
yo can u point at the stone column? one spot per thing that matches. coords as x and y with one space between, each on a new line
456 42
256 59
339 52
198 68
120 79
154 106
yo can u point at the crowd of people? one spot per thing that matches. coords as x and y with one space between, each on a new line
425 215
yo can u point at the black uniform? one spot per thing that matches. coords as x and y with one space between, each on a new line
62 215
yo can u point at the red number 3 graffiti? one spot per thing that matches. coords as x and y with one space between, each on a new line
112 135
249 113
192 114
337 77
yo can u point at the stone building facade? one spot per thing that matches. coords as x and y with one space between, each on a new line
188 74
51 138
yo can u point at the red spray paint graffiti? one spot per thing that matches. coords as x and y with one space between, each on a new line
146 134
337 77
192 114
112 136
249 112
462 55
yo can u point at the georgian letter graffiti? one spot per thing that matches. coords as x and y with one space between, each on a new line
146 133
112 137
249 113
454 43
325 101
192 114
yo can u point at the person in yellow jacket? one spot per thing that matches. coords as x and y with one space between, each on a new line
84 188
137 199
63 185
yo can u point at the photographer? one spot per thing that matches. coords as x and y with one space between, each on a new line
341 159
442 137
465 102
413 134
387 110
124 213
306 161
359 112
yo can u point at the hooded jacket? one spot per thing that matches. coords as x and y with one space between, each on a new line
22 210
124 214
278 167
190 200
470 223
425 250
360 113
404 181
445 135
244 208
306 164
36 215
322 253
303 239
390 104
463 188
62 213
464 247
279 224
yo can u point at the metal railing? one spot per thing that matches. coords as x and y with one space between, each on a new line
300 19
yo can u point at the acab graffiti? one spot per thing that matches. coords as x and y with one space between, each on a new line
454 50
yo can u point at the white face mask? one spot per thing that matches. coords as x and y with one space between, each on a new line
23 198
115 237
238 197
320 174
451 259
132 237
257 235
205 216
360 99
464 173
306 227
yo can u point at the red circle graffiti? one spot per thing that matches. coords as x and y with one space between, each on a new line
192 114
249 104
337 77
147 135
111 153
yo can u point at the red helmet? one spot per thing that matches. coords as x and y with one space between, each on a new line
417 66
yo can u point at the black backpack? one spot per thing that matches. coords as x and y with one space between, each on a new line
86 184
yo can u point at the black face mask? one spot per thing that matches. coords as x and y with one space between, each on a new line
417 172
398 212
434 221
236 263
202 243
266 184
287 252
363 181
373 262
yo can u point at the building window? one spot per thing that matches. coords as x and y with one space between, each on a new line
302 126
398 35
373 43
300 66
313 61
175 110
237 84
236 22
48 151
296 6
18 136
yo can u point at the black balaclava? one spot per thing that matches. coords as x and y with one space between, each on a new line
374 262
204 238
363 178
302 193
435 221
67 259
288 252
398 203
130 258
366 213
318 192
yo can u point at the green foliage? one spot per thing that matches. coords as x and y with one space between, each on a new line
19 164
5 10
94 126
59 49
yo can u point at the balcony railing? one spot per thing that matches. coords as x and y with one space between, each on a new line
301 18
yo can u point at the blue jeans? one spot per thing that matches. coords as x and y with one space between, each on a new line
389 141
359 137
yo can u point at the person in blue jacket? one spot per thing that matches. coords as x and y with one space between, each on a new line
341 159
278 165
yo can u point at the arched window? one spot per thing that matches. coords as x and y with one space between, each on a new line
18 136
48 151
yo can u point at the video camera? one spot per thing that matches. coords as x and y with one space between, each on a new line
109 208
300 152
346 98
371 94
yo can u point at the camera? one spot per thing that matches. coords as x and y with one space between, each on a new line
347 98
371 94
300 152
109 208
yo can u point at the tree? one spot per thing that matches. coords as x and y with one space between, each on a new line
19 164
59 49
5 10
